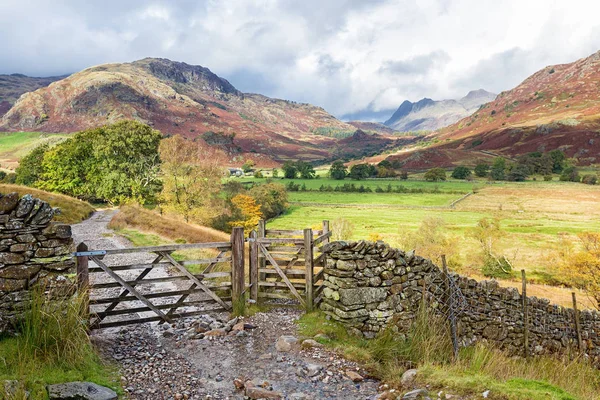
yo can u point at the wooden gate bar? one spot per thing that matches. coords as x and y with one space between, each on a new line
308 264
280 272
237 264
130 288
254 270
195 280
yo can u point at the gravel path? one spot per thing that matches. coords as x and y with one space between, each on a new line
162 362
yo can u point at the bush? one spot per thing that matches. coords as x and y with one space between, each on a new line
258 174
570 174
461 172
338 170
482 170
289 170
589 179
435 174
496 267
547 178
403 175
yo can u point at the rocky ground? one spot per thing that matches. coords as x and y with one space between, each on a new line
212 357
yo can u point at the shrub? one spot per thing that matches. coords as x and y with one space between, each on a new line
461 172
435 174
289 170
258 174
589 179
403 175
570 174
482 170
547 178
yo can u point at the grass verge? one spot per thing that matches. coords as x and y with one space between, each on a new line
138 218
53 347
72 210
426 346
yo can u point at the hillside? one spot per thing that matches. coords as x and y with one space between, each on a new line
177 98
13 86
558 107
429 115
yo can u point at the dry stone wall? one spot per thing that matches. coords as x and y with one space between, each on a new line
33 252
369 286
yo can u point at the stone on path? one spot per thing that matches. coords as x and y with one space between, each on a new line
418 394
80 391
356 377
310 343
255 392
285 343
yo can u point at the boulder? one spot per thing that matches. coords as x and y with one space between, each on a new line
80 391
408 377
285 343
9 202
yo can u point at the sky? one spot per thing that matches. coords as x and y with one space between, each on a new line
351 57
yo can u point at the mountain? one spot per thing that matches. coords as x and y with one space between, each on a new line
177 98
13 86
429 115
558 107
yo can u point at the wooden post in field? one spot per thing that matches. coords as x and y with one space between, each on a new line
577 325
325 230
309 264
262 262
83 276
525 315
253 266
237 264
450 304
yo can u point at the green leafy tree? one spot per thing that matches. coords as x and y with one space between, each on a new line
482 170
30 167
272 198
305 169
362 171
498 170
461 172
518 173
338 170
570 174
435 174
558 161
289 170
114 163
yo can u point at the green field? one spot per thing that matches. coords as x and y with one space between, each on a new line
15 145
533 216
380 199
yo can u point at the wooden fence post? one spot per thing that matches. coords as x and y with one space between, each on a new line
325 230
577 325
253 266
237 268
450 304
309 264
525 315
262 262
83 277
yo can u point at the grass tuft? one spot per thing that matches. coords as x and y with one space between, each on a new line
53 347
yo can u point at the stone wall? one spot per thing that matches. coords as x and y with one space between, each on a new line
33 251
370 285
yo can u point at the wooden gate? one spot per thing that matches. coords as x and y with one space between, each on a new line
162 289
286 264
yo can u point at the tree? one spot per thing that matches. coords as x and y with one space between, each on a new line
248 165
558 161
482 170
461 172
498 170
30 167
403 175
191 180
570 174
305 169
272 198
431 241
582 269
247 212
488 234
338 170
289 170
275 173
435 174
360 171
114 163
385 164
518 173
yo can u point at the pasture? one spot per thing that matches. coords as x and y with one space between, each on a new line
535 217
15 145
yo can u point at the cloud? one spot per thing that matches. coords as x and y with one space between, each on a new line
347 56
